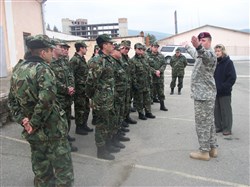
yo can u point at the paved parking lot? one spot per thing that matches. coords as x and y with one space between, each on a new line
158 153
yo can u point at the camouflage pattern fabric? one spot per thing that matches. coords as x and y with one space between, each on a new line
100 86
33 95
81 102
157 62
178 65
202 81
204 123
141 83
128 94
64 79
120 76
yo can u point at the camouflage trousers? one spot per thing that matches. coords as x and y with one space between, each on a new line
66 106
104 126
158 91
180 81
52 163
204 123
119 107
82 109
143 101
127 105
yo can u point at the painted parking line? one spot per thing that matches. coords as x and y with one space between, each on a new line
154 169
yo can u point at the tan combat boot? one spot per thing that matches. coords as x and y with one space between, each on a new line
199 155
213 152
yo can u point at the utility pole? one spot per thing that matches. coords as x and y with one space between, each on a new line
175 22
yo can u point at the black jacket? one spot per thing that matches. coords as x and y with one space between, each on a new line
225 76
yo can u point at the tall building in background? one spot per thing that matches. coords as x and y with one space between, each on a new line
80 27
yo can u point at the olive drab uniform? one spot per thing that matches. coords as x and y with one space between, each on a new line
33 95
100 88
141 84
64 80
157 62
80 70
119 94
178 64
203 91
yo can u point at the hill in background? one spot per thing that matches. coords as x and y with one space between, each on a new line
158 35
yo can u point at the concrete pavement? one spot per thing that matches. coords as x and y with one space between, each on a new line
158 153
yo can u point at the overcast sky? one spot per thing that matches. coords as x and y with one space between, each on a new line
152 15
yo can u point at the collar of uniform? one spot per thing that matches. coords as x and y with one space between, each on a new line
34 59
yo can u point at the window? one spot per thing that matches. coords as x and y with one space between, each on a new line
25 35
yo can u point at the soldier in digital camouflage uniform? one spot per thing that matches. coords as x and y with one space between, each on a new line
80 70
178 64
64 82
33 104
100 87
157 63
203 91
141 82
125 47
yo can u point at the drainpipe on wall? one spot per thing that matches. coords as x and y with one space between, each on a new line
42 13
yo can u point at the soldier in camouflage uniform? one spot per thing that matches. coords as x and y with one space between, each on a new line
100 88
33 104
80 70
120 76
157 63
125 47
203 91
141 82
64 82
178 63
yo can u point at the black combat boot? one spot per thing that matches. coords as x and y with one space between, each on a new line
149 115
110 147
155 100
86 128
115 142
162 107
125 124
80 130
142 116
132 109
172 91
121 137
130 120
179 91
102 153
124 129
71 139
73 148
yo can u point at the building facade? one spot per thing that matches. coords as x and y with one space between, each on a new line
15 26
236 42
80 27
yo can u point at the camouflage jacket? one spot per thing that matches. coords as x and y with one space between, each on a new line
178 64
202 80
100 82
80 70
120 76
141 76
127 67
64 77
156 62
33 95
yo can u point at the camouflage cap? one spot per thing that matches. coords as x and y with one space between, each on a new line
126 43
178 49
96 47
56 41
117 47
138 46
80 44
39 41
65 44
155 44
103 39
